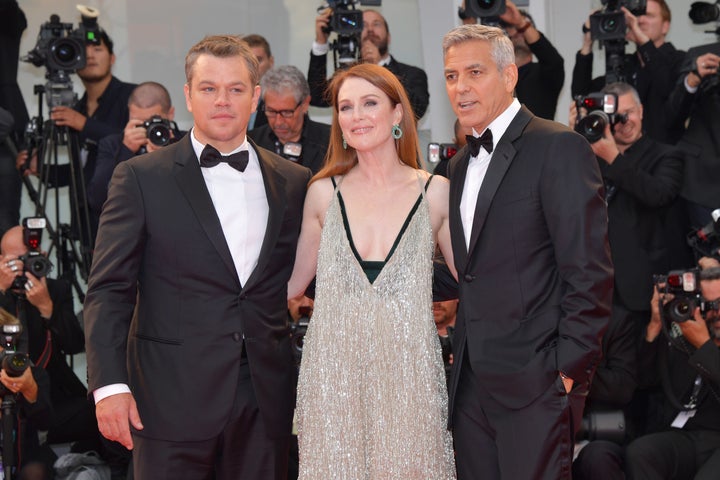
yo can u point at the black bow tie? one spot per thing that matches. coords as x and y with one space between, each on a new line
485 140
211 157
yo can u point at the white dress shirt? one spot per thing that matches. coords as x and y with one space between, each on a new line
478 166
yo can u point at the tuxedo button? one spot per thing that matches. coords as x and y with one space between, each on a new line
243 296
469 278
237 336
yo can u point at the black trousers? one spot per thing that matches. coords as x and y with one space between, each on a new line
674 455
494 442
242 450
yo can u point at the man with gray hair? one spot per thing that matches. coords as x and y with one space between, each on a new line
289 131
529 232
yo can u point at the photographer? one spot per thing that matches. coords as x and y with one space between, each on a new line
51 331
12 25
101 111
697 99
642 178
539 83
31 403
289 131
652 69
374 48
687 444
147 101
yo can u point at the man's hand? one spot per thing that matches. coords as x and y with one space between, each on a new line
369 52
606 148
634 33
25 384
512 15
655 326
10 267
708 262
705 65
135 135
66 116
27 167
322 23
114 416
37 294
695 331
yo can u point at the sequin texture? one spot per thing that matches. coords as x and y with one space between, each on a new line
372 398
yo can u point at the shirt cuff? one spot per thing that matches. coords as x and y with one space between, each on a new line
320 48
109 390
688 87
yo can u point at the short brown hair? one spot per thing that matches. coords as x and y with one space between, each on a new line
222 46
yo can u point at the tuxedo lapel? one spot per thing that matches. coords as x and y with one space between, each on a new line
499 164
190 180
277 204
457 172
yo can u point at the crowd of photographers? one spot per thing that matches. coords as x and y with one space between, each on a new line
650 119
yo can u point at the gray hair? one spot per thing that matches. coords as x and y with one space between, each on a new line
711 273
501 47
622 88
286 78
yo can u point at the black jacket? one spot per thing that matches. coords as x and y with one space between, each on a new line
315 139
654 82
412 78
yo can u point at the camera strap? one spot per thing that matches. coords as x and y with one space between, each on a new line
44 358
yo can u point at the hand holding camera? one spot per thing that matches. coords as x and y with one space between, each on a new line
142 136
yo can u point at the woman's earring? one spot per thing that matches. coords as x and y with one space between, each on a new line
397 131
344 143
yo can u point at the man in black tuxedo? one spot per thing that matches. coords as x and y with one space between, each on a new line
374 48
188 345
529 232
289 132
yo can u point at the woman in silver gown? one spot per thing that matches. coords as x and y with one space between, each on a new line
372 398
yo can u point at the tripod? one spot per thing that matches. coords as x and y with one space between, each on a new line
72 243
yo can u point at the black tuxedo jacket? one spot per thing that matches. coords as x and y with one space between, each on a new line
535 285
165 311
647 178
414 80
315 140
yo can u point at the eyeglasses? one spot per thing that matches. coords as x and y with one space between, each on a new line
270 113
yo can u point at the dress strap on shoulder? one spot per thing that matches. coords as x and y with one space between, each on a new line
336 184
423 188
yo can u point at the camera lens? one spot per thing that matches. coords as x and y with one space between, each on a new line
592 127
65 53
159 134
609 25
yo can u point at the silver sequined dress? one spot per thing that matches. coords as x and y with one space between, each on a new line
372 398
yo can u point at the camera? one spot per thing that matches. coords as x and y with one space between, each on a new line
347 22
33 261
684 285
601 111
484 8
61 50
298 330
13 362
441 152
704 12
609 426
609 23
159 130
706 241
